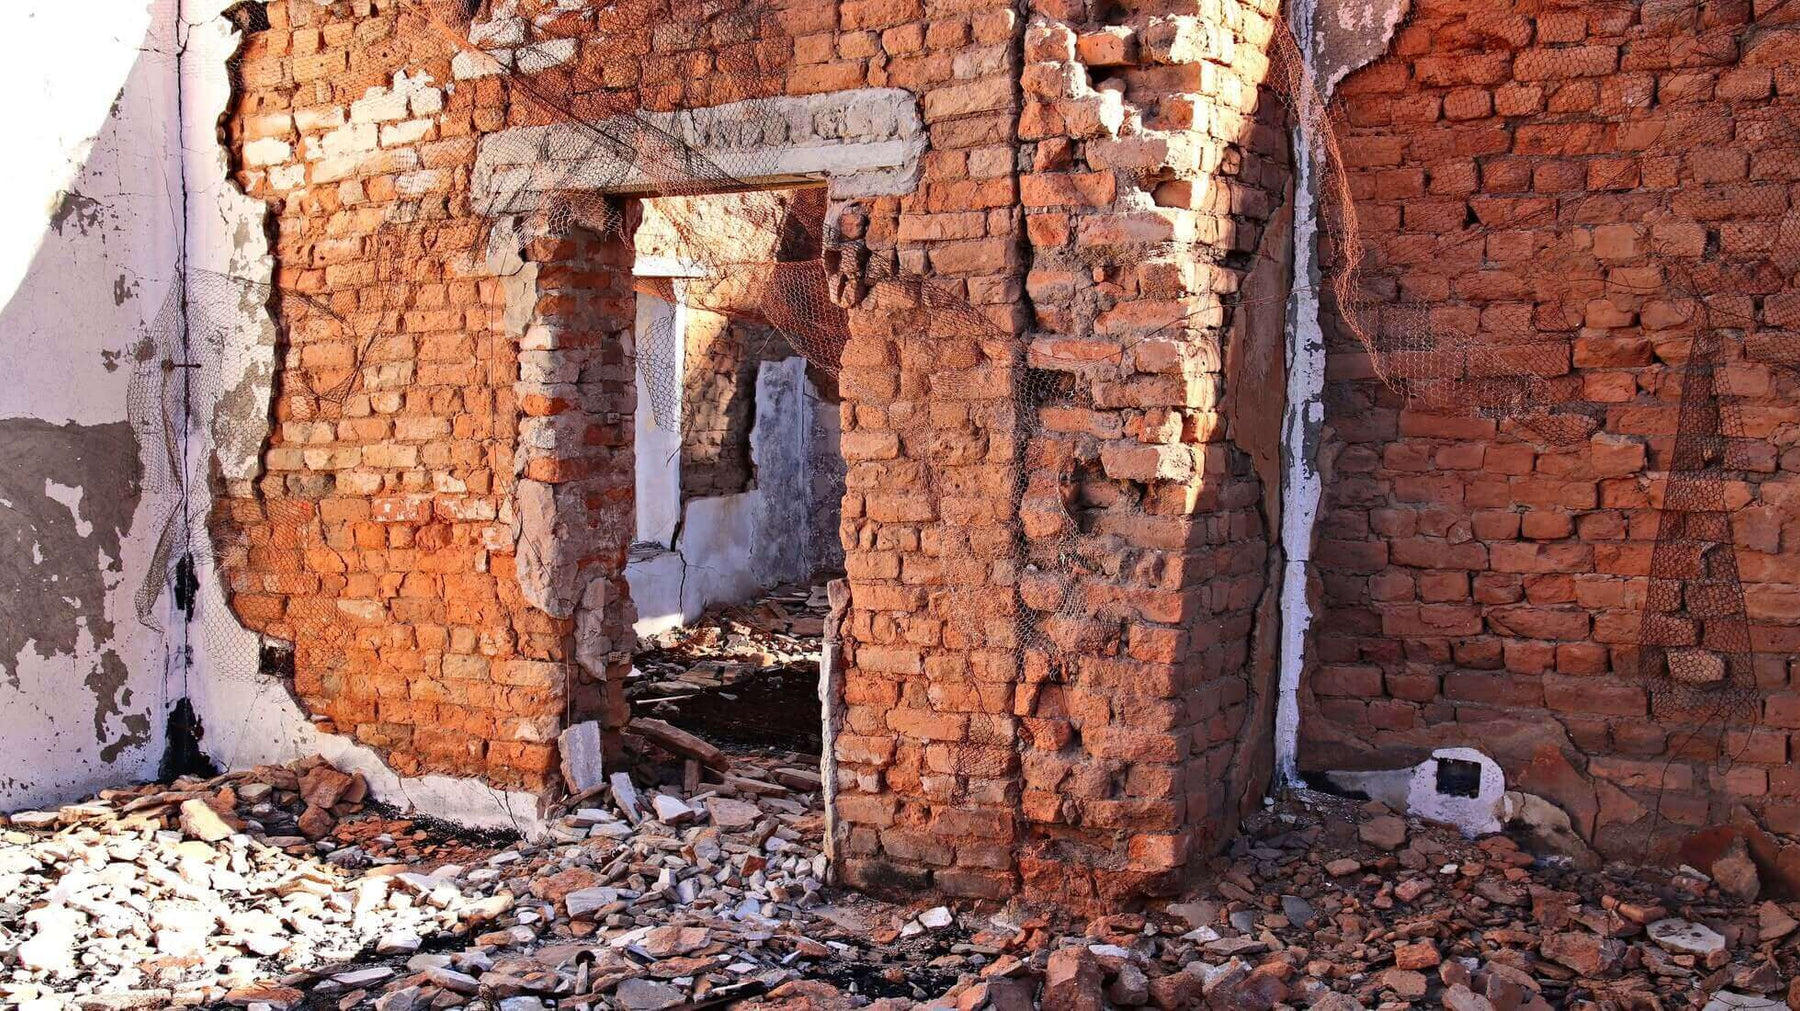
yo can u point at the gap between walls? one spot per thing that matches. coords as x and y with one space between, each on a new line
1352 34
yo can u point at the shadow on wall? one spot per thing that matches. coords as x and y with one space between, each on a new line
87 481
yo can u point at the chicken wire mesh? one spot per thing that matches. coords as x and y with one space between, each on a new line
1690 186
1504 350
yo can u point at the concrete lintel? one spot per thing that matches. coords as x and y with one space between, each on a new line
866 142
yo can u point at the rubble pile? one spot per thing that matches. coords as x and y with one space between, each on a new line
655 892
650 898
782 628
1322 905
743 675
286 804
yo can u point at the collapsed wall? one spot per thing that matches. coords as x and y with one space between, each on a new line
1047 259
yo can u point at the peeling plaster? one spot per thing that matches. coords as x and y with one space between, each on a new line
1350 36
549 567
249 718
57 564
84 211
731 547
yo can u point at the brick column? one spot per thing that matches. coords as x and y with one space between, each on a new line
574 503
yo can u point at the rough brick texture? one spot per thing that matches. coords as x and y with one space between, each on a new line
1093 191
1148 181
1484 588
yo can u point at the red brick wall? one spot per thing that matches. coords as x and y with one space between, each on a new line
1054 596
1143 717
1558 164
385 541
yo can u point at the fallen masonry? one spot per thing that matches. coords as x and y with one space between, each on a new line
718 898
746 673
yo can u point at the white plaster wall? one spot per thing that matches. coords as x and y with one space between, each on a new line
658 445
88 244
732 547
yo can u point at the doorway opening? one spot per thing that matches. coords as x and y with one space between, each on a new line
739 480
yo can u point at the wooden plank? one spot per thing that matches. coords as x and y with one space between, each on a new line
679 742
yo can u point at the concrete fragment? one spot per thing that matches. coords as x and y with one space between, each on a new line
582 766
670 810
646 995
680 742
731 814
1683 937
625 796
450 979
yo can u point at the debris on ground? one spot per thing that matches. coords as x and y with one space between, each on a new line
744 674
206 893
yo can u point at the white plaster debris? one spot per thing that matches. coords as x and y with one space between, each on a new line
1414 790
1682 937
1477 815
276 920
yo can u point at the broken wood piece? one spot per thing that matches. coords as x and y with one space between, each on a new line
679 742
804 780
760 787
574 801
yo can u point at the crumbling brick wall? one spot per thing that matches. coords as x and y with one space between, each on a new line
719 401
1481 586
1082 725
1156 158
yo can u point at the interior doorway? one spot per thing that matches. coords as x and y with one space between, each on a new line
739 482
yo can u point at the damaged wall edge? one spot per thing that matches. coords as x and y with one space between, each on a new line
251 718
1332 44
